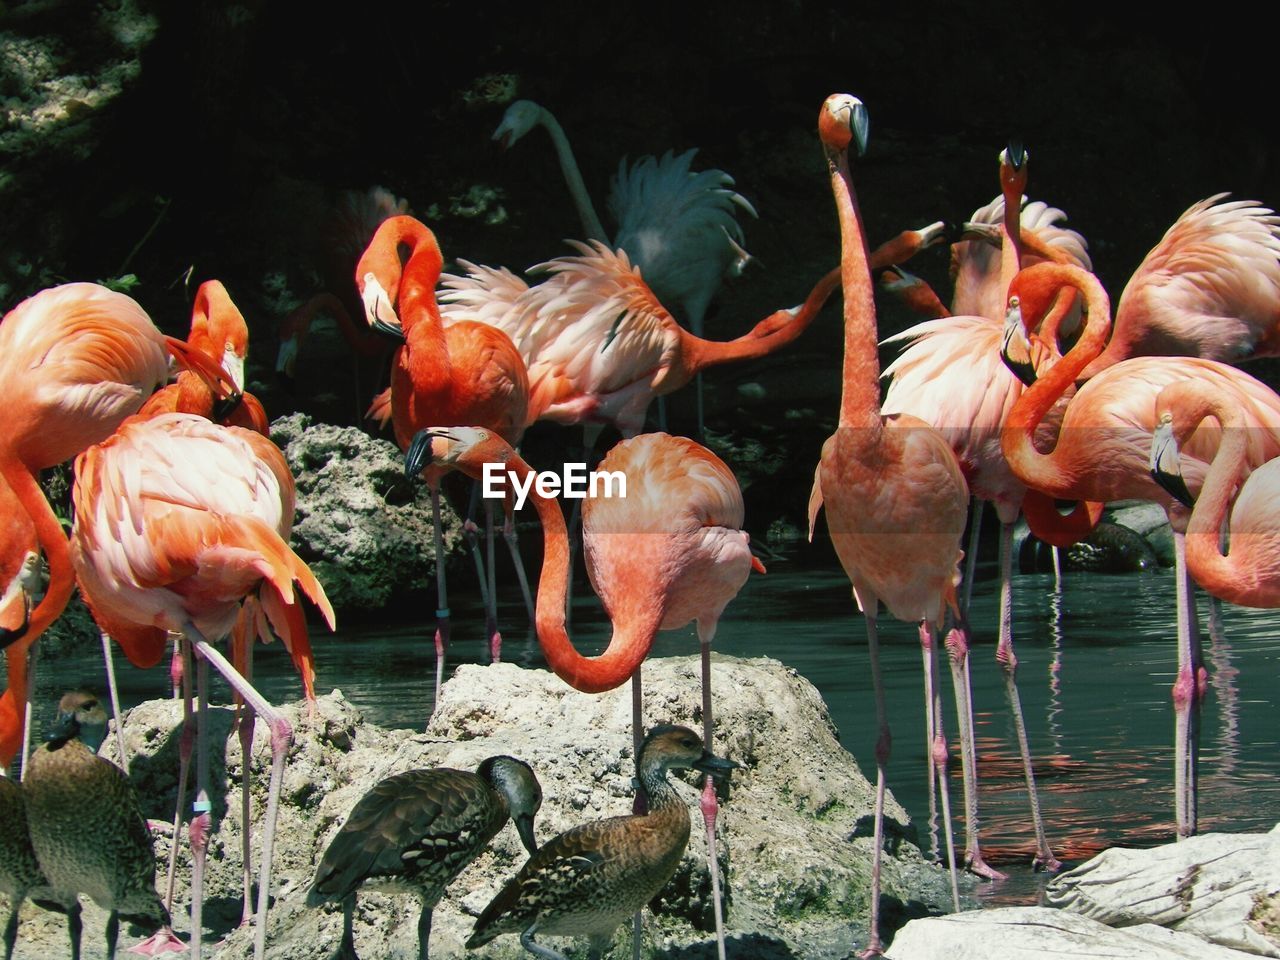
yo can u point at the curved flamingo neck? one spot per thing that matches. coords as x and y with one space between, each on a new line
772 333
573 177
860 379
1011 185
1214 570
53 541
1038 284
631 639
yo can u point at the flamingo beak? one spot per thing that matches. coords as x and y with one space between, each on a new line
1015 154
988 233
1016 348
860 124
428 447
1166 468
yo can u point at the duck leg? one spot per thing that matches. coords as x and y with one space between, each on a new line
424 930
537 949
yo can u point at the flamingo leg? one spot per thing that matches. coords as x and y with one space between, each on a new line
971 555
884 747
109 661
709 805
471 533
1008 660
491 607
938 751
185 743
1188 691
33 655
442 594
513 545
958 649
1057 569
245 731
929 723
281 737
641 802
201 820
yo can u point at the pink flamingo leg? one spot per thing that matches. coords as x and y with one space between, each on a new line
1008 660
971 556
245 727
1188 691
186 740
709 806
926 642
513 545
938 751
442 594
641 803
884 747
491 607
958 649
281 737
108 661
201 820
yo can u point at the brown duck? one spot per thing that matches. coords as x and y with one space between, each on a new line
20 875
87 831
589 879
415 831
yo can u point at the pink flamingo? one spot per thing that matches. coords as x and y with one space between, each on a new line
1102 454
670 552
1250 573
179 523
951 376
894 492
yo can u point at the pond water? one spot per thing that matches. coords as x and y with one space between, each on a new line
1096 663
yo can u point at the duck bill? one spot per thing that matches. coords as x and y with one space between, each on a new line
524 827
715 766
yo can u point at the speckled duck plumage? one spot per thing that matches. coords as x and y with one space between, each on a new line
591 878
86 828
20 874
414 832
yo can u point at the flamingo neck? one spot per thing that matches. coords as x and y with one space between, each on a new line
573 178
860 381
772 333
1214 570
631 639
1032 467
53 541
1010 234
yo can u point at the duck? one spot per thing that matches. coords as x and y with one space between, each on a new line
87 829
20 874
414 832
592 877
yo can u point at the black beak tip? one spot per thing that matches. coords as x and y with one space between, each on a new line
225 406
1017 153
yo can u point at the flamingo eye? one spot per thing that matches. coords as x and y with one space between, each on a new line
1014 302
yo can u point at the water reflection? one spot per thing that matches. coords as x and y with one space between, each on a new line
1096 663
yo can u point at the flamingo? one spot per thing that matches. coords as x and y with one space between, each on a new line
1250 573
679 227
1102 454
219 331
894 492
598 342
950 375
75 360
670 552
179 524
465 374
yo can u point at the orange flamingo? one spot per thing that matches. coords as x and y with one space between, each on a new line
670 552
895 496
75 360
1250 573
179 524
219 331
598 343
1102 454
467 374
951 376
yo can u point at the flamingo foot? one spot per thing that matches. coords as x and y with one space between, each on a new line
495 646
976 865
162 941
1047 864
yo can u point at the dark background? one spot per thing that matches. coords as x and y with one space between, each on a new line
247 120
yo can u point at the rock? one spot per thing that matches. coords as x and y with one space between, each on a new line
1041 933
362 526
1213 886
795 838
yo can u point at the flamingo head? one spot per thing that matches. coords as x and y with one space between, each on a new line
518 784
842 119
1165 464
468 449
521 117
379 310
1015 349
1013 170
